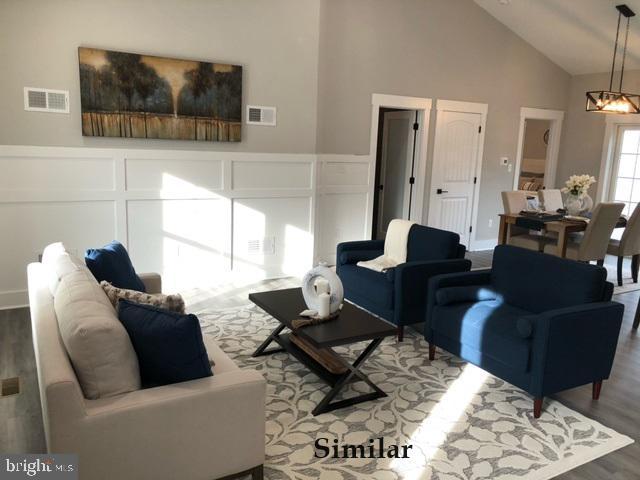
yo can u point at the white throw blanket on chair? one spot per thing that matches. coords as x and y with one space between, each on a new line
395 247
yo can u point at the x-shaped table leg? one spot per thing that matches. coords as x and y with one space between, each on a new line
326 405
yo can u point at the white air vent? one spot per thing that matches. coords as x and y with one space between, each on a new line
46 100
257 115
264 246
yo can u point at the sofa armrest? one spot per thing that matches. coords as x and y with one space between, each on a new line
205 428
376 247
412 284
461 279
573 346
152 282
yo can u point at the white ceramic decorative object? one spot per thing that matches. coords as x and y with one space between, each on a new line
311 296
574 205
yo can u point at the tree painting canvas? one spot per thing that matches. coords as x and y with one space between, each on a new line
143 96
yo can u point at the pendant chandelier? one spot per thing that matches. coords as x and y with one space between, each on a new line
610 101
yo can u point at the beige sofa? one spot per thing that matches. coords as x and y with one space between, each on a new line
203 429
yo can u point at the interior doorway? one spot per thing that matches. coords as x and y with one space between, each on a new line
538 146
534 154
398 160
395 167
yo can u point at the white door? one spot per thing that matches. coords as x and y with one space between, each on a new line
395 167
453 181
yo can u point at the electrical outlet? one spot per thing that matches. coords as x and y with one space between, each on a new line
490 222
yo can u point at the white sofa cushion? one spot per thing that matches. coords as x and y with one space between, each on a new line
58 263
97 344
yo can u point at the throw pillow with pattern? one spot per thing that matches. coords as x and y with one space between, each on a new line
174 303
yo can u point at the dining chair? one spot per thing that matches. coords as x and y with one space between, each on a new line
514 202
628 245
592 245
551 199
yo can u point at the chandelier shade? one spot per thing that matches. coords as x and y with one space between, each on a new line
611 101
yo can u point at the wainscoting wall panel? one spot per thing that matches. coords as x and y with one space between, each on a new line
344 202
195 217
178 212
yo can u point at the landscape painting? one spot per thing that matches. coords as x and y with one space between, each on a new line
143 96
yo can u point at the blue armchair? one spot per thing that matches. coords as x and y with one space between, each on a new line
540 322
399 294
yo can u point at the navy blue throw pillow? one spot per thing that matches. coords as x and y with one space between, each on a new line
112 263
169 345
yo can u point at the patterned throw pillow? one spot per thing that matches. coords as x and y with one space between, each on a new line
173 303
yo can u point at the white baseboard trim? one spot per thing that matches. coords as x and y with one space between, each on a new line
14 299
487 244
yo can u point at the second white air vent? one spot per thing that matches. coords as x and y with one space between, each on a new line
257 115
262 246
46 100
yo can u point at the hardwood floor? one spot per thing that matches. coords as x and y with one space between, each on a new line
618 407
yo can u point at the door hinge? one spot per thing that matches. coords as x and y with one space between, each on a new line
416 126
475 180
470 229
412 180
479 128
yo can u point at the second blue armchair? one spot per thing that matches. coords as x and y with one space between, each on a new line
399 294
542 323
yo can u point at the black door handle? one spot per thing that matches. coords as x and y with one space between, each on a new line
380 187
440 191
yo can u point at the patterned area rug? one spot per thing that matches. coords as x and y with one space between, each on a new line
463 423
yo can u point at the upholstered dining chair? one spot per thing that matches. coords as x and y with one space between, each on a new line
551 199
592 245
628 246
514 202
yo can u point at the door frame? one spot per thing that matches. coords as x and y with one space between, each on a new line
555 117
423 107
607 161
465 107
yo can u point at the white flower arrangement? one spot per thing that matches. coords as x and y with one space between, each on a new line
578 185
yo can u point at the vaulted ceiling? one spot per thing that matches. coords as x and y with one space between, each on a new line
578 35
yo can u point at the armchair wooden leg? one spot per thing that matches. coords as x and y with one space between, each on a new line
537 407
401 333
596 388
635 263
620 259
600 262
432 351
257 473
636 319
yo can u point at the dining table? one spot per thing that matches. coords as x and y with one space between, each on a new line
563 227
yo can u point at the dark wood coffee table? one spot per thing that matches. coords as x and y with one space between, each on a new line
352 326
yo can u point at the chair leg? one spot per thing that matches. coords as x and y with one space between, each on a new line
636 319
401 333
432 351
537 407
595 391
635 263
257 473
600 262
620 259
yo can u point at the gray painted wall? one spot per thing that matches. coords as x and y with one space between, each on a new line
448 49
534 146
275 41
318 61
583 137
